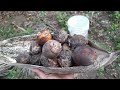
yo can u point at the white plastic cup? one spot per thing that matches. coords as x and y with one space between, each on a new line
78 25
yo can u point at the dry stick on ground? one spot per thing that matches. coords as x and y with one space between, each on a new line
18 27
52 27
110 62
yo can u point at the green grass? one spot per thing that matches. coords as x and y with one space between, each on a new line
13 73
116 15
116 65
62 19
115 28
9 31
101 71
18 73
117 43
42 13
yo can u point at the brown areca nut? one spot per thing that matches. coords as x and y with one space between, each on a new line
23 58
84 55
47 62
35 48
35 59
43 36
65 57
60 35
77 40
51 49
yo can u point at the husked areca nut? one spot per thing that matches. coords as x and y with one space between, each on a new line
47 62
65 46
77 40
84 56
51 49
60 35
23 58
43 36
35 59
35 48
65 59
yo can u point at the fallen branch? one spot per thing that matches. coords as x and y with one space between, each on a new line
52 27
18 27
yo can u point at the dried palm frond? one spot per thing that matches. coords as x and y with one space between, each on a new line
15 72
10 48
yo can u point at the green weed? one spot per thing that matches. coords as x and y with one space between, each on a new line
18 73
117 14
8 31
13 73
115 26
62 19
101 71
104 46
42 13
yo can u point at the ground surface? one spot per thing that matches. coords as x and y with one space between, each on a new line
103 30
